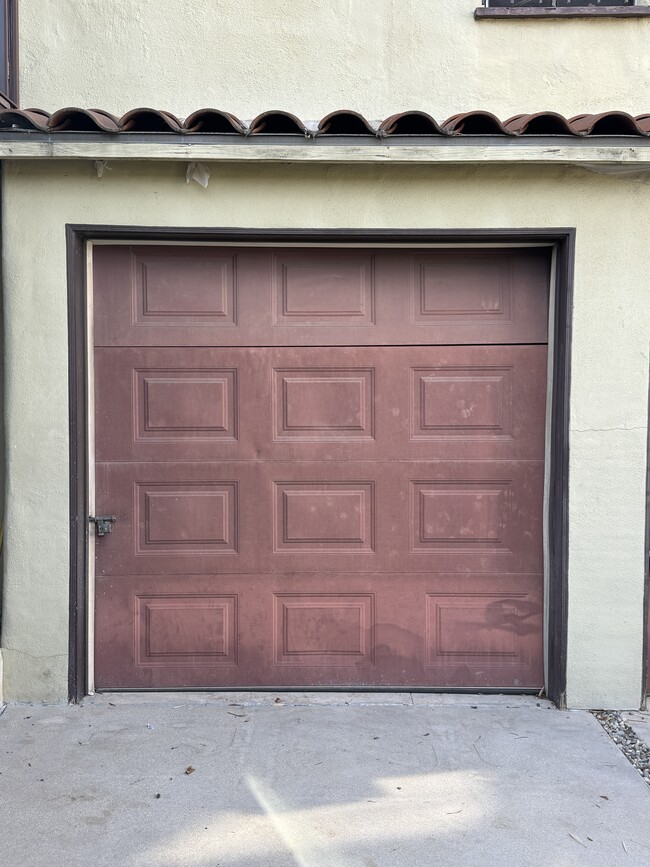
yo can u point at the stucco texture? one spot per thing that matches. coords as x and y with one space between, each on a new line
310 57
610 367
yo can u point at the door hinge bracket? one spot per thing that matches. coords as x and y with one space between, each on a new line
103 523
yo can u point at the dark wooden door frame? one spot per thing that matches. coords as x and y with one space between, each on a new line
563 240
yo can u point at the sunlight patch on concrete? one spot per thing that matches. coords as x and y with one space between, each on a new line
416 807
299 838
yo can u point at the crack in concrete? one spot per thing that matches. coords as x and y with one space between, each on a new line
6 649
605 429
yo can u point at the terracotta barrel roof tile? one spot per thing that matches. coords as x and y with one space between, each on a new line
606 123
474 123
83 120
211 120
26 119
540 123
345 122
150 120
410 123
338 123
277 123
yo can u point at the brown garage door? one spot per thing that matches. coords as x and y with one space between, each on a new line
326 466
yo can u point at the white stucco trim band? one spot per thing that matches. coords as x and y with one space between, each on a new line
446 151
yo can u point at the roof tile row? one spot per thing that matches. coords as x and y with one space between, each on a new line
337 123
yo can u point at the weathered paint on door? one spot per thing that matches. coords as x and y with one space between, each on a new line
326 467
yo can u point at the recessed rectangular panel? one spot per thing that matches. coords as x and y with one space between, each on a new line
461 402
323 629
177 404
327 288
480 628
450 288
177 517
459 514
324 516
182 290
185 630
314 404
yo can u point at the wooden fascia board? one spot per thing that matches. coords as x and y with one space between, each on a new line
635 156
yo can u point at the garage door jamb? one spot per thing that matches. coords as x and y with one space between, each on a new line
79 235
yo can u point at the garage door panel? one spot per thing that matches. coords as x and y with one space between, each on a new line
183 296
368 403
484 629
161 298
326 516
179 517
395 630
326 466
475 297
314 288
486 403
323 403
416 515
324 630
191 518
180 630
178 296
489 515
178 405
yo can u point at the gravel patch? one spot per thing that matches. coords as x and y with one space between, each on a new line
621 732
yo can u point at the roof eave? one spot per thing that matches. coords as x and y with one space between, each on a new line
542 150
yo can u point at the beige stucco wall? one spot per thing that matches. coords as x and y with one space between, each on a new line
610 367
311 56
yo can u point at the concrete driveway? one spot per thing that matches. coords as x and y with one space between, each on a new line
269 779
